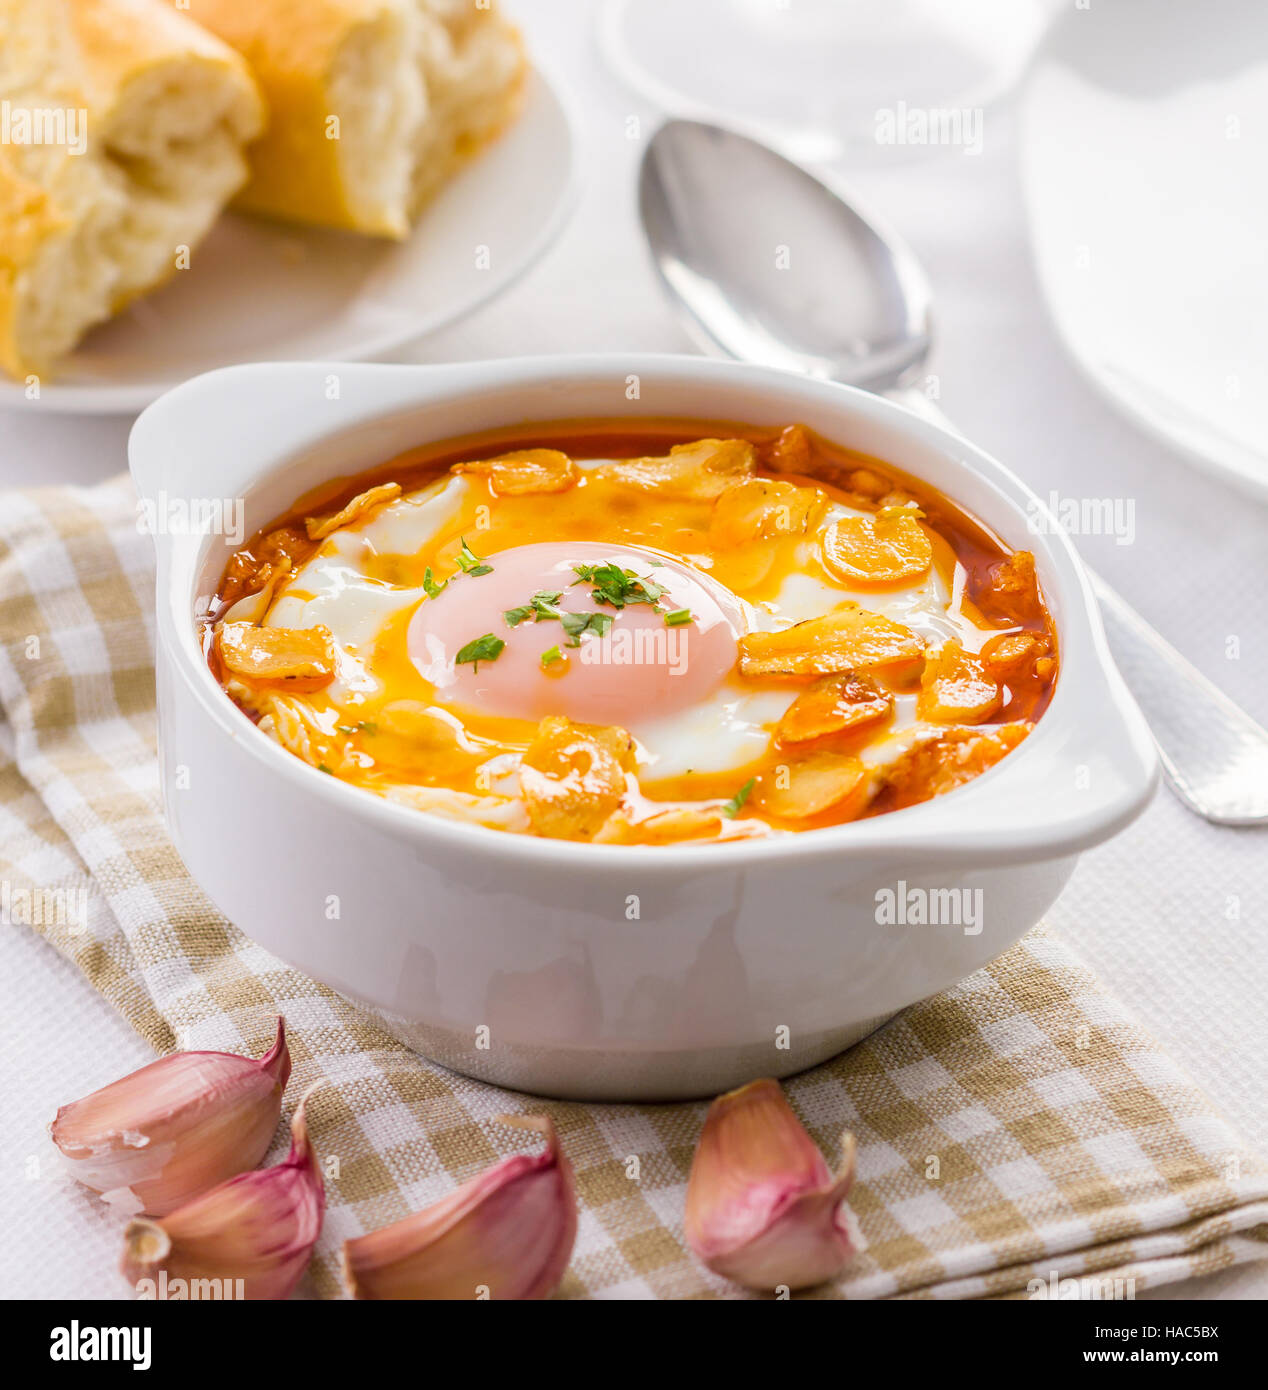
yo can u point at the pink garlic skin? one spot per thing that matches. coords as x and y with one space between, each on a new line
259 1228
153 1140
507 1233
763 1207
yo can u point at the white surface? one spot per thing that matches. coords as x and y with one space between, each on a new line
1143 170
1151 911
259 290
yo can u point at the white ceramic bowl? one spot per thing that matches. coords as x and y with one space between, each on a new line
612 972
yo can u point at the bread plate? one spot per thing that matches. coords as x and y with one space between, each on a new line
607 971
259 290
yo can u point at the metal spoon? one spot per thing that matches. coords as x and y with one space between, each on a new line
852 305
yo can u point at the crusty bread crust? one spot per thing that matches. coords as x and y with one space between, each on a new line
292 47
118 40
465 60
165 110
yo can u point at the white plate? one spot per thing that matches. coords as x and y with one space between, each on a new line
1144 172
260 290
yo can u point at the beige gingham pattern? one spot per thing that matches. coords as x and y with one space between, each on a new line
1017 1127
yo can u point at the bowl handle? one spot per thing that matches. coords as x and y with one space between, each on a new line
218 433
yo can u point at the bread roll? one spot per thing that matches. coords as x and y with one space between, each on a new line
372 103
125 130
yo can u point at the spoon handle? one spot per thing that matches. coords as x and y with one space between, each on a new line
1214 755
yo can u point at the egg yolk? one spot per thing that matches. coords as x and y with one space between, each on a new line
635 668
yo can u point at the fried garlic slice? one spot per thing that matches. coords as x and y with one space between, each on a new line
955 688
319 528
849 638
812 785
762 509
251 608
249 569
791 452
1013 656
524 471
573 777
1013 589
869 484
301 657
948 760
833 705
884 548
696 472
670 827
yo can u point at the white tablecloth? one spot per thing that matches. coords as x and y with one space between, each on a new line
1173 914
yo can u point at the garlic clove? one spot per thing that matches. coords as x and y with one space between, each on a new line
507 1233
763 1208
151 1141
250 1237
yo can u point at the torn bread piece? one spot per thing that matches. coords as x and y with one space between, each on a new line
373 103
131 127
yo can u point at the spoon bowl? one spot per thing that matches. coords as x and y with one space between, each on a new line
767 264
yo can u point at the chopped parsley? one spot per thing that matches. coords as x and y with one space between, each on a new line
542 605
616 586
486 648
364 726
470 563
611 585
577 623
546 603
731 809
321 767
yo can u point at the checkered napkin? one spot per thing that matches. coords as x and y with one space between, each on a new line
1017 1128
